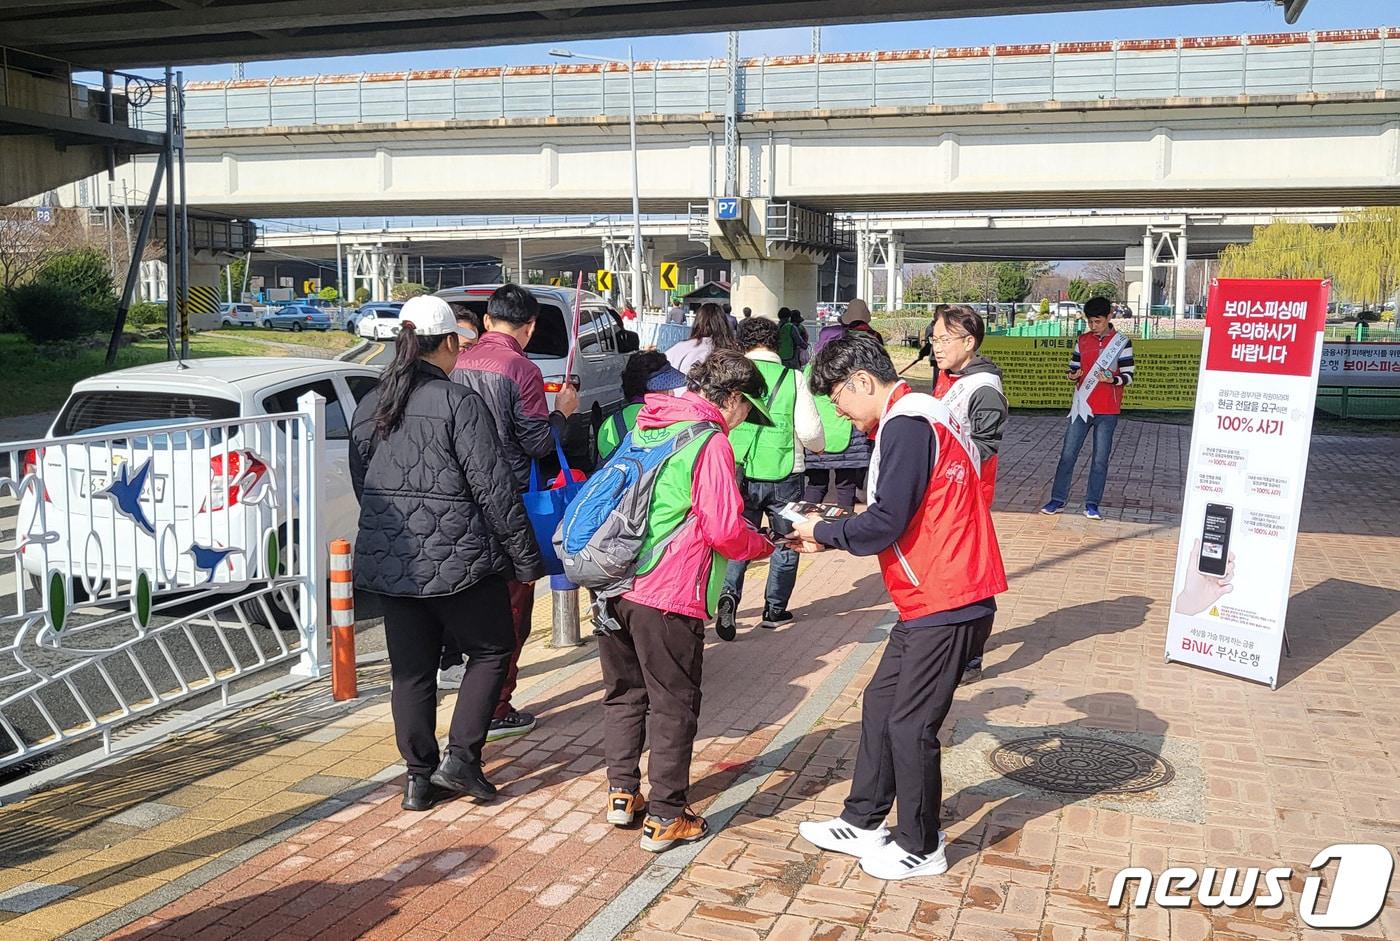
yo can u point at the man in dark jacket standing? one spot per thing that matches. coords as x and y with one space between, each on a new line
928 522
513 387
441 530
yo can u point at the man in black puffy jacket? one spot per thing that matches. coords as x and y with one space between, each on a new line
442 531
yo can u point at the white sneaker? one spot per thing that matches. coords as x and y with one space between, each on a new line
890 862
451 678
840 837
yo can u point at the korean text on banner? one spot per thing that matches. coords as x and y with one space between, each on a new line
1244 484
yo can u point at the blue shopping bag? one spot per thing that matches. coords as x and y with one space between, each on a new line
545 505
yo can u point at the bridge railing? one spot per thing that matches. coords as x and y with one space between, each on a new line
1124 70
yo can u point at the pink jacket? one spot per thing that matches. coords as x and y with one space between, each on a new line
691 569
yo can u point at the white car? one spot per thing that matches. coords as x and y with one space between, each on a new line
239 315
378 320
604 343
203 489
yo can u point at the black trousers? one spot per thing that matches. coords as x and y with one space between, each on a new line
477 621
979 642
900 758
651 690
848 480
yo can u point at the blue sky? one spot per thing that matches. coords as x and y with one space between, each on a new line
1254 16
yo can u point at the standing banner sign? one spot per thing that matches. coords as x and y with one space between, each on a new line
1244 484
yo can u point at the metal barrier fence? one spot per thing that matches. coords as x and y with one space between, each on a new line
150 565
1219 66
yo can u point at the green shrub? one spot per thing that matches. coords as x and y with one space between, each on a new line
402 292
362 296
145 315
84 272
46 311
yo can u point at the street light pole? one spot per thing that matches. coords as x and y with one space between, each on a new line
637 293
636 186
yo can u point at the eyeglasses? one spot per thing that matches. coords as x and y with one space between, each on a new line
843 385
937 340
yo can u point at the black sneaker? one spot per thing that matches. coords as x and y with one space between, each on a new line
515 723
463 777
774 619
972 672
726 618
420 793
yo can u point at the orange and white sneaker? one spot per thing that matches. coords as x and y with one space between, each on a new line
660 834
623 806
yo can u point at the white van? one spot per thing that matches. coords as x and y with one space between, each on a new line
603 342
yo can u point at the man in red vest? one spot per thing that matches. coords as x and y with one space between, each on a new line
928 521
1101 368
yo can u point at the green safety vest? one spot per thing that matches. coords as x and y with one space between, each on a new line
835 429
787 341
770 453
610 435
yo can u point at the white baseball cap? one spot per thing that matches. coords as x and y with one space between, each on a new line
431 317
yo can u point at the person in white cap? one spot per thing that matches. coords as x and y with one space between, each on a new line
441 531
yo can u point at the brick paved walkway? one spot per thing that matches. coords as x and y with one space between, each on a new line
237 815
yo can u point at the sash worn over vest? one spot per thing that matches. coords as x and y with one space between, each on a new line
947 556
956 394
1108 358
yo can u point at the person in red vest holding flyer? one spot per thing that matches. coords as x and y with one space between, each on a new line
970 385
1101 367
927 520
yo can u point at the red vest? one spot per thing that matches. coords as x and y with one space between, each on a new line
1106 399
942 383
948 555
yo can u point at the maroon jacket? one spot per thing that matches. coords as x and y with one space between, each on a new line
497 369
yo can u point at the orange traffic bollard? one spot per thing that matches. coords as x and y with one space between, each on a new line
343 684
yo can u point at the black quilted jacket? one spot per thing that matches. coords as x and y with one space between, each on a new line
439 510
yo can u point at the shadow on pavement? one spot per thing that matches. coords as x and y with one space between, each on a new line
1063 628
323 908
1328 617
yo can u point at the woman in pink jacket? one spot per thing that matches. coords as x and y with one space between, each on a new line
652 660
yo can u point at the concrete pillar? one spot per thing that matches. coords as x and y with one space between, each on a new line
799 287
1181 274
894 272
865 281
1133 275
1149 258
761 285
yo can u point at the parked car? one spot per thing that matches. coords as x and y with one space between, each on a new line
297 317
238 315
187 507
603 342
377 321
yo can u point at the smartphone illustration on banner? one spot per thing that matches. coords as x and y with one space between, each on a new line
1215 539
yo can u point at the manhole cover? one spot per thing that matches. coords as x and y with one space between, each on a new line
1080 765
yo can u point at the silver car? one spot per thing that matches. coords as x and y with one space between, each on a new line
298 317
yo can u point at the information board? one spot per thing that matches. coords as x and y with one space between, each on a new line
1244 483
1033 370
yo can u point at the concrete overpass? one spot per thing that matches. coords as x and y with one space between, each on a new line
562 245
1286 119
176 32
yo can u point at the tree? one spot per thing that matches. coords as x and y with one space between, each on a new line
84 272
328 294
1013 281
1110 272
407 289
234 276
1104 289
921 289
1078 290
27 245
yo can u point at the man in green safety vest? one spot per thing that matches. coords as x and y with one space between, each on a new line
772 462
